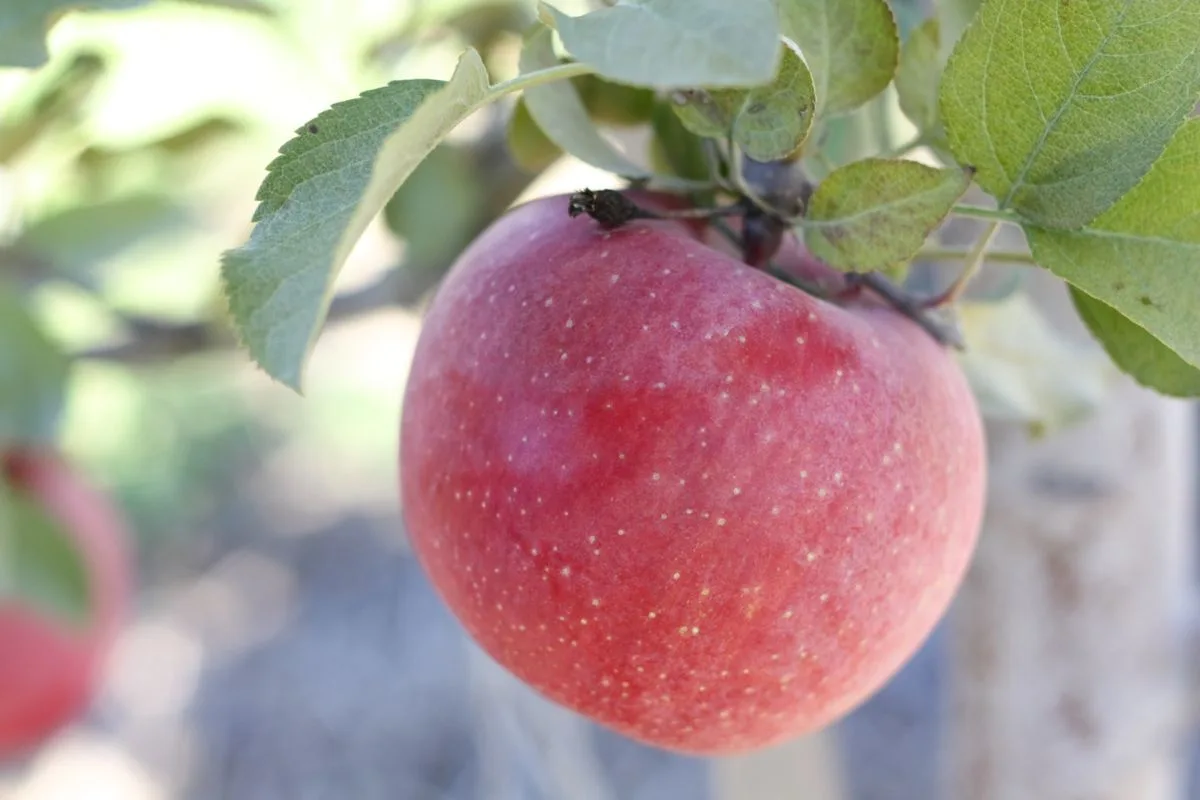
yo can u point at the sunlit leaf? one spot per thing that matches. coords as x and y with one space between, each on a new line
774 120
676 44
1141 256
875 214
768 123
1146 359
326 185
1063 107
851 47
559 112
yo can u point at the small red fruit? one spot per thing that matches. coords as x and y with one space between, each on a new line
48 670
675 494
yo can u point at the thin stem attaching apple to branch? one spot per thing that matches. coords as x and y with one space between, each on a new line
971 266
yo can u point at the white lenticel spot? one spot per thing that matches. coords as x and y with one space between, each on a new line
549 302
721 521
651 615
570 323
737 490
566 572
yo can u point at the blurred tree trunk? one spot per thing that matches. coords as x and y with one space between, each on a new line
1068 678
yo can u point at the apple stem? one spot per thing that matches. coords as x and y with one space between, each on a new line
971 266
612 209
915 308
907 304
759 241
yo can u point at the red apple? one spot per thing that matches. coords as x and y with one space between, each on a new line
675 494
49 669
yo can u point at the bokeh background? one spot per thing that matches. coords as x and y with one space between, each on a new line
285 643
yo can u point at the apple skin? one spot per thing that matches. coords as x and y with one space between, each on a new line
676 495
48 669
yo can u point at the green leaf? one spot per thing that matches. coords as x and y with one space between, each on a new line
436 208
875 214
1023 370
851 47
709 113
674 148
1146 359
559 112
919 75
769 122
1141 256
33 375
616 104
527 143
24 24
1063 107
774 120
40 565
326 185
79 238
676 44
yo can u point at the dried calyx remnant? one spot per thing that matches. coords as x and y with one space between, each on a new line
759 240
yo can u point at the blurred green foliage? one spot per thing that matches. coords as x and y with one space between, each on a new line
129 160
